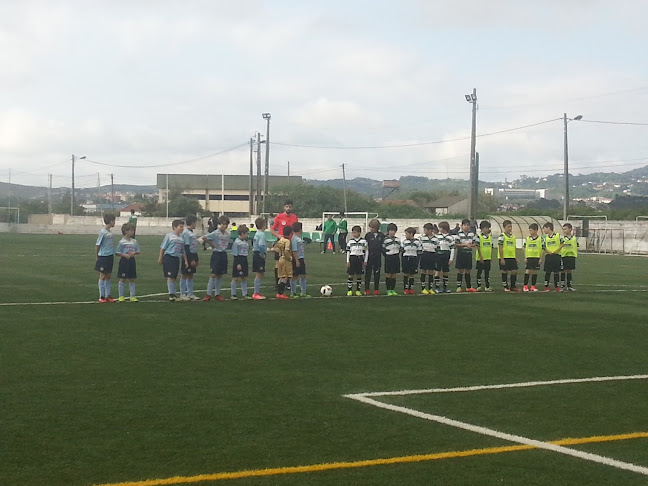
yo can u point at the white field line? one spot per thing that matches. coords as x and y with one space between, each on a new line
226 289
504 436
366 398
525 384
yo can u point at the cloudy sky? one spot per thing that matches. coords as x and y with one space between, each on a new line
145 87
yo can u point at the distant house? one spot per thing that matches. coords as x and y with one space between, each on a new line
449 205
127 210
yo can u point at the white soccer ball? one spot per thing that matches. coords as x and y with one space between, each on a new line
326 291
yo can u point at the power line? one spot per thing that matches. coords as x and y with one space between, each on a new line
417 144
172 163
613 122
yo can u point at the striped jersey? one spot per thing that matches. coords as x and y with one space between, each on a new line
105 243
357 247
173 245
428 243
220 238
533 247
411 248
464 238
240 248
552 243
391 245
571 246
190 241
125 246
446 243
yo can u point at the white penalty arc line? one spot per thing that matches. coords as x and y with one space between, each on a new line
504 436
525 384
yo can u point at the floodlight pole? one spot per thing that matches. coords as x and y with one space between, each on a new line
345 191
251 197
72 190
566 164
473 169
266 117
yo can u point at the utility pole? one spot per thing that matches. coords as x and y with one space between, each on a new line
258 182
474 177
72 191
289 172
344 185
251 197
566 165
167 196
266 117
475 189
112 193
9 187
49 194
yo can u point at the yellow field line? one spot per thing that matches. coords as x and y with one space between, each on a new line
370 462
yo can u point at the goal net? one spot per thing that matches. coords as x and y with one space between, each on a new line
9 215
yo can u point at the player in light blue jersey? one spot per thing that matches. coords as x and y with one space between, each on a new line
171 251
259 249
240 252
299 265
127 248
191 250
219 240
105 249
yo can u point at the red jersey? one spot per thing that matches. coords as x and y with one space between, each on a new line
283 219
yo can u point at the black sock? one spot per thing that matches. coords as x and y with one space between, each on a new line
556 280
487 278
526 279
423 281
358 283
534 279
405 282
350 283
411 283
459 280
437 281
569 280
445 281
430 281
479 277
513 280
547 277
562 279
505 280
468 281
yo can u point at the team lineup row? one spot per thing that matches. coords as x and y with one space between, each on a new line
431 254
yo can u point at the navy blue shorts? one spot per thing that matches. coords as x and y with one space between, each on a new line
533 263
486 265
464 260
569 263
105 264
127 268
510 264
170 266
299 270
218 263
553 263
356 263
243 262
443 262
428 260
190 270
258 262
392 264
410 265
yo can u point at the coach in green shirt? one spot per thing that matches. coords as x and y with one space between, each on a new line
342 233
329 228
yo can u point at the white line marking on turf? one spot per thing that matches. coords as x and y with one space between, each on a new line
502 435
500 387
365 398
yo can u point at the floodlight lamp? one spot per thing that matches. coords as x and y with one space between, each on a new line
266 116
82 157
469 98
474 97
578 117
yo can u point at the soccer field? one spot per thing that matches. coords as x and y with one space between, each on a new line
460 389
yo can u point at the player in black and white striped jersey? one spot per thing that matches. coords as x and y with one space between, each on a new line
445 252
428 258
391 249
411 251
465 241
357 255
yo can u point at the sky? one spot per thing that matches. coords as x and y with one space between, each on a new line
146 87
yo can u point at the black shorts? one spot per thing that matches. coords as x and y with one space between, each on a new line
510 264
127 268
191 257
356 264
485 265
410 265
258 262
392 264
533 263
428 260
569 263
218 263
443 262
170 266
464 260
552 263
299 270
105 264
373 264
243 272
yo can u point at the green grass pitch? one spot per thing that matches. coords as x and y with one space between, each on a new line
108 393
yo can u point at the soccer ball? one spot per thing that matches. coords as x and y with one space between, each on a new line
326 291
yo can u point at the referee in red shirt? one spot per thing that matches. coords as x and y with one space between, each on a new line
287 218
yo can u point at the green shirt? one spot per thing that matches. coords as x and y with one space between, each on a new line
133 220
342 226
330 226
